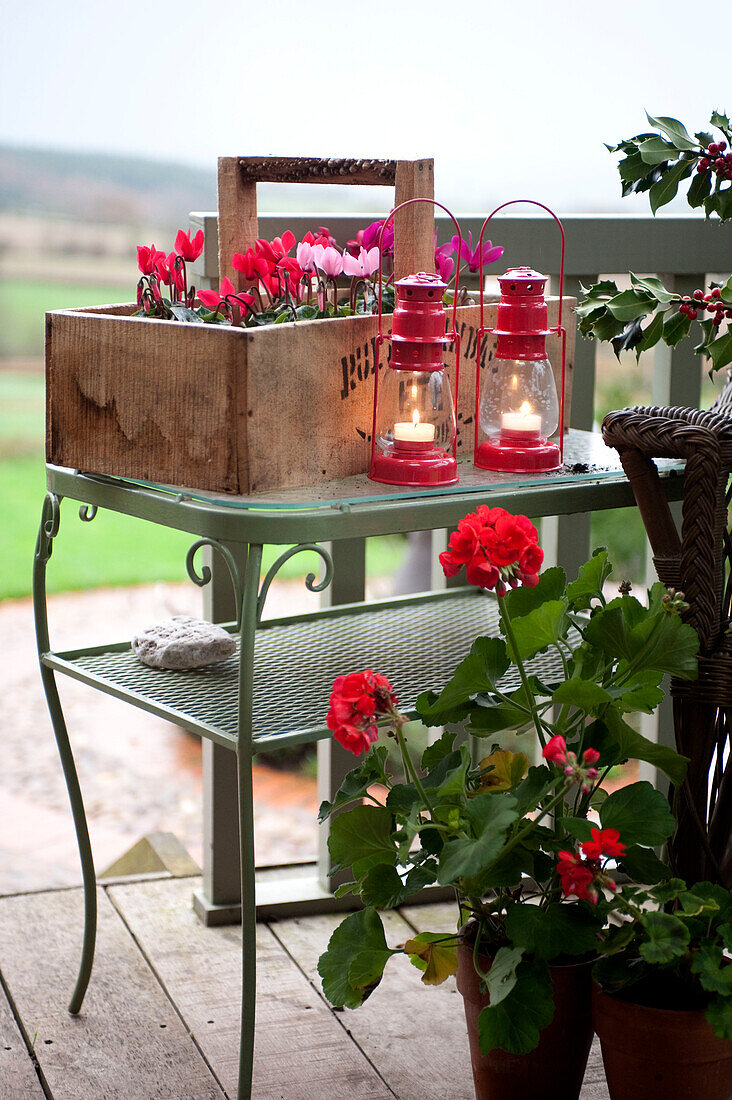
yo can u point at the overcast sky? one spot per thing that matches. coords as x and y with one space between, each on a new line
511 98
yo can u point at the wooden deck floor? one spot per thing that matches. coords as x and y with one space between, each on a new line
161 1015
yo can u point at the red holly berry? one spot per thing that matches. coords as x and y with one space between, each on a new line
722 145
692 313
717 319
713 148
716 292
728 313
699 295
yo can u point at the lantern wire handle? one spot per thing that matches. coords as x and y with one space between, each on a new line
450 337
558 331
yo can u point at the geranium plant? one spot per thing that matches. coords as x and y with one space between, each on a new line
638 318
530 851
282 286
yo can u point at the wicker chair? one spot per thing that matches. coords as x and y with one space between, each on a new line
697 563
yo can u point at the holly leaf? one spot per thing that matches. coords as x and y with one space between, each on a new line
656 150
721 121
357 782
628 339
640 813
700 187
353 963
664 189
675 130
557 930
516 1022
631 304
720 351
675 328
590 580
502 976
489 817
668 938
651 285
434 955
362 839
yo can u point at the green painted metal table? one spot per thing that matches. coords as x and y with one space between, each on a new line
246 704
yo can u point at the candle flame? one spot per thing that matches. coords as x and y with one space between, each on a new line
415 418
514 382
525 409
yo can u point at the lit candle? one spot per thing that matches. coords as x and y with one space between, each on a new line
415 432
523 424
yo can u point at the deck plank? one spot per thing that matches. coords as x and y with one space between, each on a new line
127 1042
301 1049
18 1078
416 1036
440 917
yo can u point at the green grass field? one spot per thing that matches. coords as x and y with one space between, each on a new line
23 303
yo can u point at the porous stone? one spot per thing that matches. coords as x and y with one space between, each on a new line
183 642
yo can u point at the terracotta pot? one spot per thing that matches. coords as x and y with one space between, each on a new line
660 1053
555 1069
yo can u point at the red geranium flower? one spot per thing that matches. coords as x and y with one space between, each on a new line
605 842
497 549
355 702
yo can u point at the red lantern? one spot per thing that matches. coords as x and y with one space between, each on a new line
517 408
414 431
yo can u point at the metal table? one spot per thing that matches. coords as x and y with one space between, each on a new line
246 704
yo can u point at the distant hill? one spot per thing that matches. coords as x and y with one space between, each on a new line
103 188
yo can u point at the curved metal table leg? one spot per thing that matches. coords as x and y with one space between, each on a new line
50 517
246 822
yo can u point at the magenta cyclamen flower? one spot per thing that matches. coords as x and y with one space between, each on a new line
329 260
189 249
148 258
363 265
471 255
371 236
212 299
444 266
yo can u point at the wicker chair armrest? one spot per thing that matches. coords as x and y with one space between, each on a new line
658 432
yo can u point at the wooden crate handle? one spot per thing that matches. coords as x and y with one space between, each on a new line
238 178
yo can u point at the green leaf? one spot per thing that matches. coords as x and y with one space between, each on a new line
590 580
437 751
668 938
430 953
725 931
607 327
479 672
583 694
485 720
719 1016
632 168
490 816
664 190
658 641
183 313
640 814
653 286
578 827
720 351
356 784
354 960
502 975
557 930
700 187
675 130
544 625
382 887
630 304
502 770
514 1024
361 838
520 601
675 328
721 121
532 790
644 866
652 333
656 150
642 693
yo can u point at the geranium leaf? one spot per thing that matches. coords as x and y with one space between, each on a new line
358 781
583 694
360 934
502 975
490 817
362 839
544 625
668 938
616 742
643 865
487 720
719 1015
531 791
382 886
502 770
640 813
478 672
520 601
590 579
578 827
434 954
436 752
514 1024
557 930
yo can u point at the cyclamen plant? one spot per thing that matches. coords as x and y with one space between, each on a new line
531 852
282 287
658 163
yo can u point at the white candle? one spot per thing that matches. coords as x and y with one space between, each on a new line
523 424
414 433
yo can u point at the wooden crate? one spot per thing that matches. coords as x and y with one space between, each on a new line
243 410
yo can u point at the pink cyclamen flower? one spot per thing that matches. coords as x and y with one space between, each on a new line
189 249
305 256
444 266
371 236
471 255
363 265
329 260
148 259
212 299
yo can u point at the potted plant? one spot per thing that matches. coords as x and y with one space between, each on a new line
662 1002
501 833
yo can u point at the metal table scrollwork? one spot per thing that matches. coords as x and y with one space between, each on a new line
248 703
